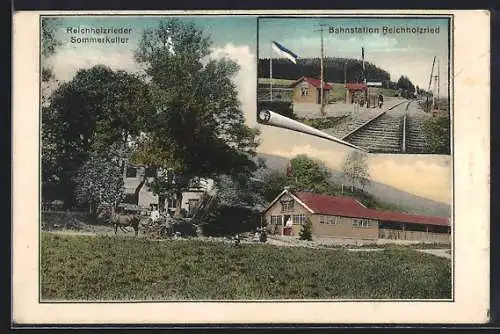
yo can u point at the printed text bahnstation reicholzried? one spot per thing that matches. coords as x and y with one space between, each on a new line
384 30
116 39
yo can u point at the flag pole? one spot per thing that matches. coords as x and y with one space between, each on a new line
271 74
321 65
364 76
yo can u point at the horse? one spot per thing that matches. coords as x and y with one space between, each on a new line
120 220
123 220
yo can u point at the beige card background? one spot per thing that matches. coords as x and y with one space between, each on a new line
470 112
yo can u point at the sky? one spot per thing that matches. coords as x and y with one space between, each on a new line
236 38
397 53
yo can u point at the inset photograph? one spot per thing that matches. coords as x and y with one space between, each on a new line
377 84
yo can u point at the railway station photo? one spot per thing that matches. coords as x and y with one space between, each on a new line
355 88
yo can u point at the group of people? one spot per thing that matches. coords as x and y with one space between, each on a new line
156 216
362 102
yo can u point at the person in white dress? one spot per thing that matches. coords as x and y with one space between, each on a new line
155 215
289 226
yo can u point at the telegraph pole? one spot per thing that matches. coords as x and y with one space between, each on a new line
271 75
345 80
321 69
435 102
438 84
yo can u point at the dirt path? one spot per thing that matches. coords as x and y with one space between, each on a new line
271 240
437 252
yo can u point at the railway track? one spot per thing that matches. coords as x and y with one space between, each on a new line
397 130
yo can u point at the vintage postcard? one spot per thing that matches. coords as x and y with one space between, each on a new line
251 167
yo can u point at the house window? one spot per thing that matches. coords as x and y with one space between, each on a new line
131 172
333 220
287 206
171 203
304 91
360 223
275 220
299 219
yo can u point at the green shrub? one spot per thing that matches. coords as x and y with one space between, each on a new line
437 134
226 221
263 236
306 231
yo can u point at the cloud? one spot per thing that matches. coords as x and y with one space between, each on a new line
246 78
67 62
428 176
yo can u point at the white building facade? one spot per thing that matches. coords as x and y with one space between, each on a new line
146 198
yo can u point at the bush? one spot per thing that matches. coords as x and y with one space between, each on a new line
226 220
263 236
185 228
306 231
437 133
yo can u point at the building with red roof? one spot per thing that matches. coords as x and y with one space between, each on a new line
355 86
346 217
308 90
356 92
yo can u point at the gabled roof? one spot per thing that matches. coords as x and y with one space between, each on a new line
314 82
293 196
355 86
350 207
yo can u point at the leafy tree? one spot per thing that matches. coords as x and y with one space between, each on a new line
49 46
240 191
309 174
437 133
273 184
356 169
98 181
303 174
306 231
406 86
98 111
198 129
49 42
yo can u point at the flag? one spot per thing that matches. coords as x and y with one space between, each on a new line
280 49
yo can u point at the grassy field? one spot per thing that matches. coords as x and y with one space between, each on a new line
276 82
78 267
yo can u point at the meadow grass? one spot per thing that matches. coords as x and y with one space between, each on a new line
79 267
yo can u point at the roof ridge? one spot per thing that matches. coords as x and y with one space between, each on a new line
316 200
